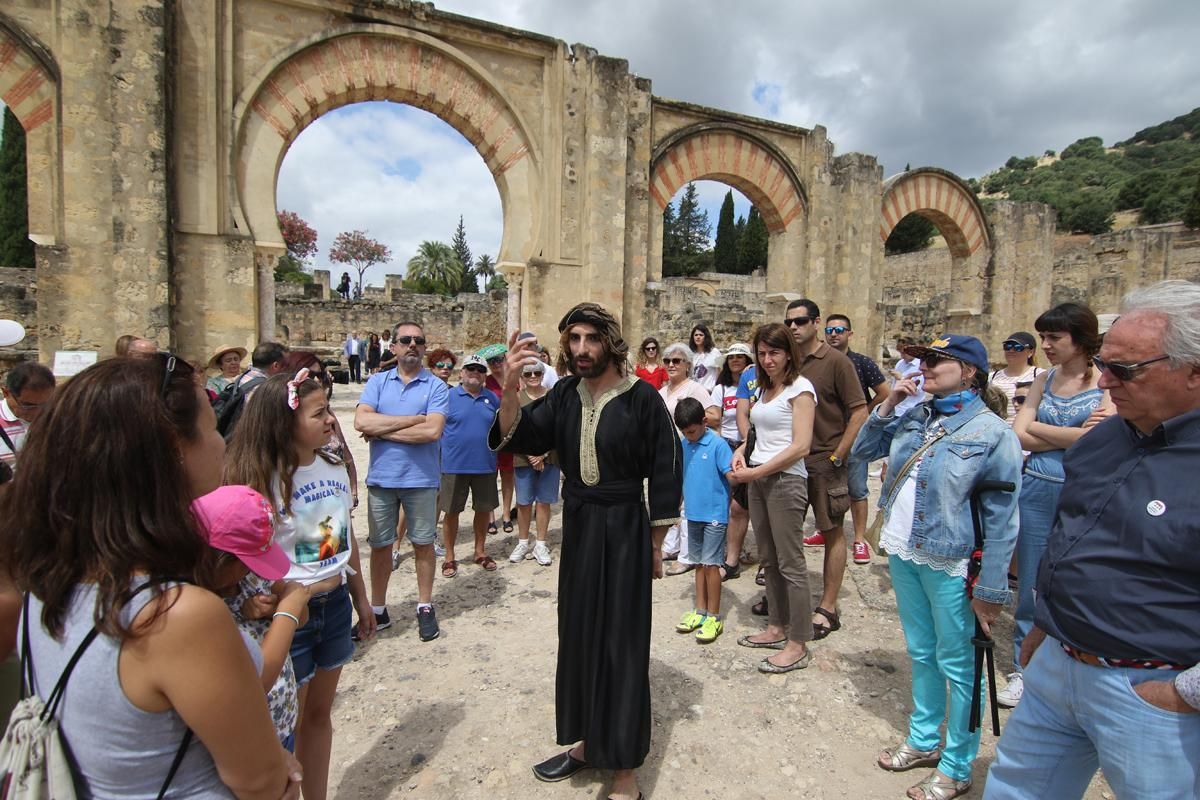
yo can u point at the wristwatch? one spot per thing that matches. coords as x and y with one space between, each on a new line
837 462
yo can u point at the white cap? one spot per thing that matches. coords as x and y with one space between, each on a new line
11 332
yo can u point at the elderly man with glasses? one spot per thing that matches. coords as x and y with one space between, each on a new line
1112 677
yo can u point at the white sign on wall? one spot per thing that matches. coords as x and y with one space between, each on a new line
72 362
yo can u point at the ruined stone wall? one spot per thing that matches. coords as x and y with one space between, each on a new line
462 323
18 301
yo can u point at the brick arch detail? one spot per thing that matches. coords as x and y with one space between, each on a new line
735 157
376 62
942 198
29 87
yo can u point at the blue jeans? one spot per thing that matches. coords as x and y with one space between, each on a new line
856 478
706 542
938 625
324 641
1074 718
1038 504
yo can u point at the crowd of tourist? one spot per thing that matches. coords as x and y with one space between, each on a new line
1059 490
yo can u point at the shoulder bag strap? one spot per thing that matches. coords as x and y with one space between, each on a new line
7 441
902 474
179 754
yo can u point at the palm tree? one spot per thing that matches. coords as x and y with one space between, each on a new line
435 264
485 268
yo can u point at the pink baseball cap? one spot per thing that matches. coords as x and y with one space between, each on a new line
238 520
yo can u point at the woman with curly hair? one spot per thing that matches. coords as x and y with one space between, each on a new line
441 363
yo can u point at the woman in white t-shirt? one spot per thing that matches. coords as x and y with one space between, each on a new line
778 481
706 358
722 417
1020 354
278 450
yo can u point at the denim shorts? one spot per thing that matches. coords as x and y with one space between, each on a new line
324 641
383 514
857 478
706 543
537 487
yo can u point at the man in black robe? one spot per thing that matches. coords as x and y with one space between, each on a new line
612 432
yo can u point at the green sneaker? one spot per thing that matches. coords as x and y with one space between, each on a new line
710 630
689 622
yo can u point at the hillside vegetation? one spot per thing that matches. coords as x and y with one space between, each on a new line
1156 172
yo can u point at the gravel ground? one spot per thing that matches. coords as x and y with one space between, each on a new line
467 715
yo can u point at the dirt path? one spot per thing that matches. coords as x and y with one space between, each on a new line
467 715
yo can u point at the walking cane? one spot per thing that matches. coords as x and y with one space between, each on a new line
984 646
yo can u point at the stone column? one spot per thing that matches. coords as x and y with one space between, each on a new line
265 258
514 276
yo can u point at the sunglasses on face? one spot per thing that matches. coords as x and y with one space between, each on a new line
672 360
931 360
1019 400
651 348
419 340
443 365
531 374
1016 347
496 360
838 329
797 322
1125 372
475 368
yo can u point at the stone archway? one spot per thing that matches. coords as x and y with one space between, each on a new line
736 156
945 200
29 86
378 62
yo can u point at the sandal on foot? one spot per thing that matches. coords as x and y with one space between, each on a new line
508 526
940 787
487 562
759 609
449 569
492 530
746 641
771 668
906 757
760 577
730 571
821 631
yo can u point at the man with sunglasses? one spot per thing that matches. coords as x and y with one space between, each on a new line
402 412
27 388
1111 677
838 334
841 411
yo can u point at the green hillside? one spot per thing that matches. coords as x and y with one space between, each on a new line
1156 171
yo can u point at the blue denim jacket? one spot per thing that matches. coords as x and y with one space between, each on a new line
977 446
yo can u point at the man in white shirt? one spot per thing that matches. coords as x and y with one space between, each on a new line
352 349
27 388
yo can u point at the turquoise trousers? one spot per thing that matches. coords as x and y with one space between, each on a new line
938 625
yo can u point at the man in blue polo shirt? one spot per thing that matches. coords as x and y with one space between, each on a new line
468 464
402 413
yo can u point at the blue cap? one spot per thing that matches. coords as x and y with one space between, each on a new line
963 348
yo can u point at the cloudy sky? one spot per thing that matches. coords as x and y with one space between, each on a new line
956 85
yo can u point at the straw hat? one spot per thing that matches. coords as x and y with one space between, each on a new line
220 351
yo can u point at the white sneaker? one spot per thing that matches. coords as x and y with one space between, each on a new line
520 552
438 550
542 554
1010 695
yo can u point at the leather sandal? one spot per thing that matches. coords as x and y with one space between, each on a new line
759 609
449 569
487 562
821 631
940 787
906 757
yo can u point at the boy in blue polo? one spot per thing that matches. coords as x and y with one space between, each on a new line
707 462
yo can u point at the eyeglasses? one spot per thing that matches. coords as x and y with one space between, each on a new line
494 360
797 322
838 329
172 363
443 365
1125 372
931 360
1019 400
475 368
672 361
1016 347
529 373
419 340
650 347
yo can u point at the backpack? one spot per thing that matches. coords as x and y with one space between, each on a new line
229 403
33 761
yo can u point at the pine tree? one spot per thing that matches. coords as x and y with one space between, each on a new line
694 232
725 251
1191 215
671 249
752 247
463 253
15 248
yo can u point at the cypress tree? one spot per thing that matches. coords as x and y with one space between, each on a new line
15 248
725 251
462 252
752 249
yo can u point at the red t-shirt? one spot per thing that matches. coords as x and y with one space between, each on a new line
655 376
